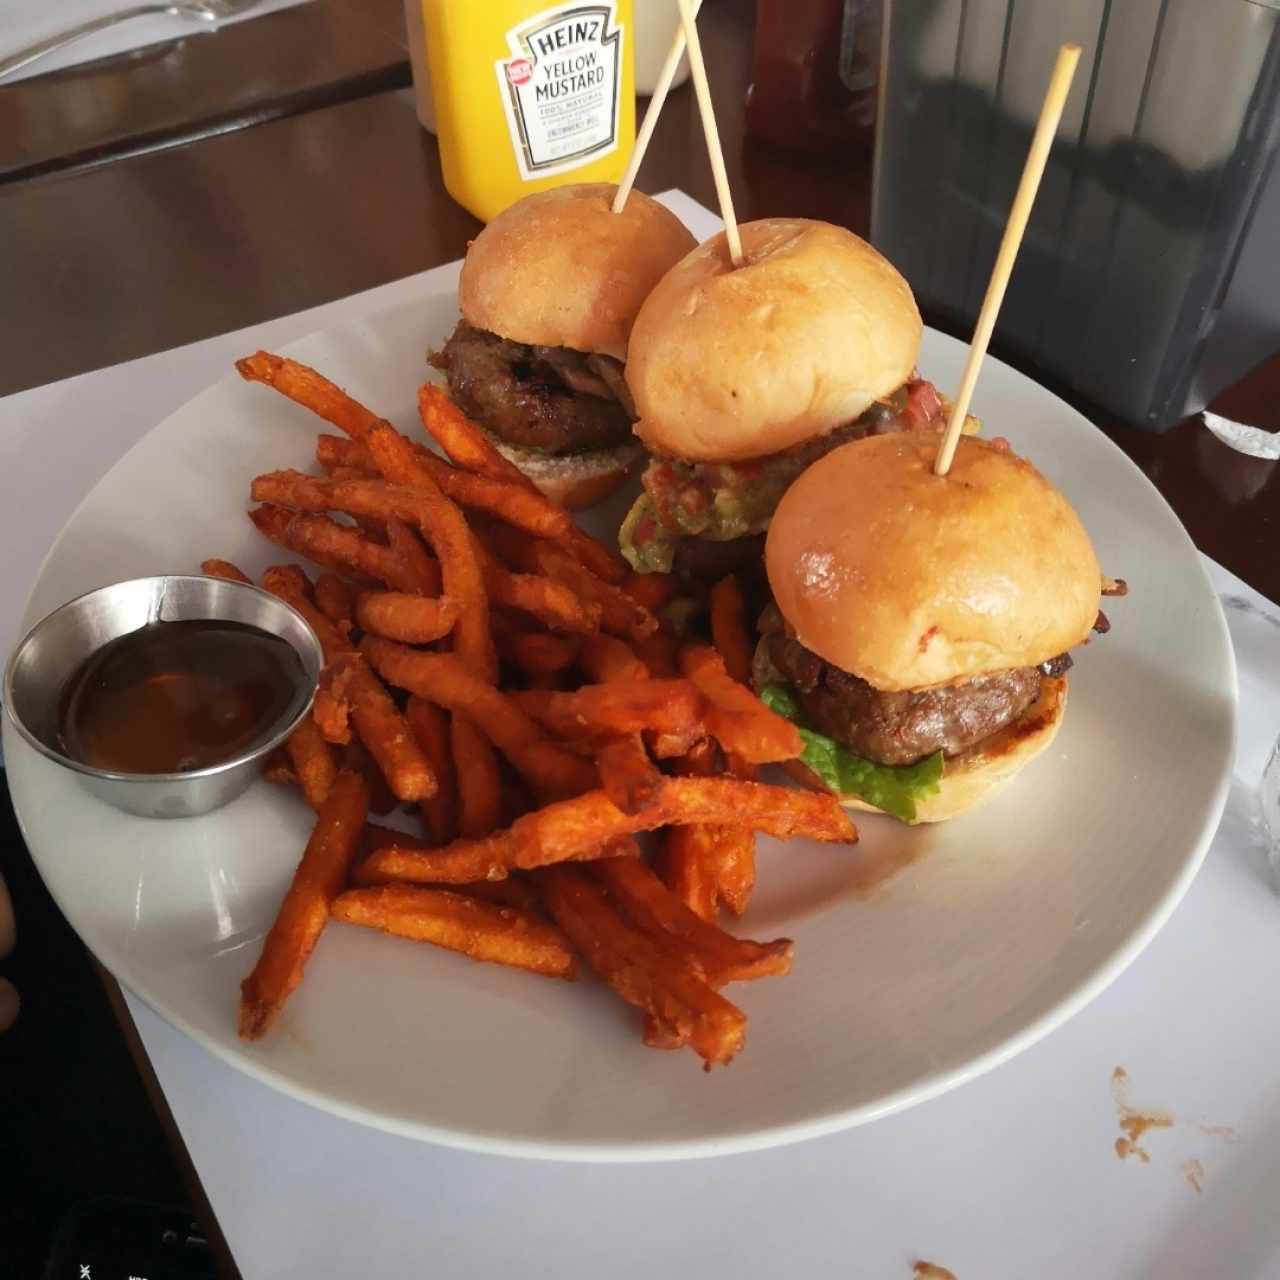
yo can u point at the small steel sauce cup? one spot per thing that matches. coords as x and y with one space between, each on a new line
53 650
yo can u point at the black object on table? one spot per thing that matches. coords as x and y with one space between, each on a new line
76 1119
1148 276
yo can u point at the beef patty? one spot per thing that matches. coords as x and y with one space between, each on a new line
709 560
900 728
551 399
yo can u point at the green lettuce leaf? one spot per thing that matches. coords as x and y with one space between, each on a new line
894 788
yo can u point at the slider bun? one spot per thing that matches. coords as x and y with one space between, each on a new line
908 579
560 269
575 480
728 364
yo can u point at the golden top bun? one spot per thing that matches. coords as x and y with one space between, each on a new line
560 269
908 579
727 364
974 776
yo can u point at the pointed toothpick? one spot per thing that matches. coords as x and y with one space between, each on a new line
1054 100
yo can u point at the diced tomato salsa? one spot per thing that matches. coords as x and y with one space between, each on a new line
724 500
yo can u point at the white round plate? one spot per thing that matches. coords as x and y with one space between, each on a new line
997 929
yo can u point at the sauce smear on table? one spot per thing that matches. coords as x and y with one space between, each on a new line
931 1271
1134 1124
176 696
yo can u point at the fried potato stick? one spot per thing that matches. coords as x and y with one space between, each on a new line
410 619
348 680
581 828
475 761
537 653
606 659
607 710
653 909
430 725
313 761
443 679
653 590
729 631
688 860
462 440
468 446
481 930
734 716
336 598
514 503
439 520
708 864
620 613
417 570
384 731
551 603
317 881
326 542
312 390
629 778
224 569
682 1004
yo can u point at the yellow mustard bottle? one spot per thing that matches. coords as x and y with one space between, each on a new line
529 94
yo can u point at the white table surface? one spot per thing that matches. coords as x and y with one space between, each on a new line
1012 1175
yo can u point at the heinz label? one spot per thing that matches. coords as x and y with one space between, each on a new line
562 87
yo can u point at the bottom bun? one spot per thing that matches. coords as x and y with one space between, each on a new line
971 778
575 480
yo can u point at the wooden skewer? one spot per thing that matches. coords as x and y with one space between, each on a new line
1054 100
712 134
660 91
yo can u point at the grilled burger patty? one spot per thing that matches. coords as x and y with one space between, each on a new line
900 728
551 399
709 560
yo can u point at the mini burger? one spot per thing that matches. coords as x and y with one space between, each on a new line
922 625
743 377
548 294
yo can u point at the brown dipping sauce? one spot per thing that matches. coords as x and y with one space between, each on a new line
176 696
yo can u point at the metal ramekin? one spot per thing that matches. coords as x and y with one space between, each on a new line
52 651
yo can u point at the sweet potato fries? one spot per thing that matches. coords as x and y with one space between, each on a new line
490 664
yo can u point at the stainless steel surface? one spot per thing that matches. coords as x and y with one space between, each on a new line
209 11
55 647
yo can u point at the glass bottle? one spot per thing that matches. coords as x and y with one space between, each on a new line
814 72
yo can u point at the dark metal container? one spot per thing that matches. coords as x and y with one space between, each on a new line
1149 278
